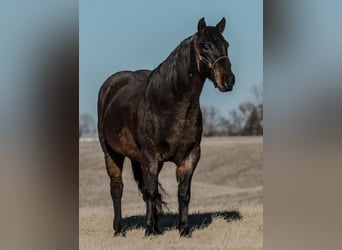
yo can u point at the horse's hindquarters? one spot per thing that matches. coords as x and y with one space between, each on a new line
123 142
118 112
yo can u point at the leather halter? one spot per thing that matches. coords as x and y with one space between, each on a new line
200 58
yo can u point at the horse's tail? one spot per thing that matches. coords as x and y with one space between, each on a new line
160 203
138 177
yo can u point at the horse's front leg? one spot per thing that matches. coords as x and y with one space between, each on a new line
184 173
150 193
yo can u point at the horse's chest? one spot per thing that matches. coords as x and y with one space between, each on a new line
174 151
174 133
177 146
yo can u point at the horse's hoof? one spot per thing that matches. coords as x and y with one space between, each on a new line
157 231
185 231
117 234
151 232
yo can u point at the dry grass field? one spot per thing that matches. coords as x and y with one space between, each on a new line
225 208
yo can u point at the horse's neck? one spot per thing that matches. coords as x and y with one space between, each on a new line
182 92
176 80
194 91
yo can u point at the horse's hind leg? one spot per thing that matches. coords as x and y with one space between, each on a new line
138 175
184 174
114 163
150 170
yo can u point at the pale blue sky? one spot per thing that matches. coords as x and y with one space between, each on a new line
131 35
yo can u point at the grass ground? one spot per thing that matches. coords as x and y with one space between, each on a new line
225 209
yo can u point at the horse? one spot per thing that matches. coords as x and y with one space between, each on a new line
152 117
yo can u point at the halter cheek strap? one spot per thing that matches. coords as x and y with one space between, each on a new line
200 58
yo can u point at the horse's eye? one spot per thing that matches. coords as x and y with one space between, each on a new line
206 46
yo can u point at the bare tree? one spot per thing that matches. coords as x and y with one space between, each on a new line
86 124
253 125
246 119
224 126
257 92
211 118
254 122
246 108
236 119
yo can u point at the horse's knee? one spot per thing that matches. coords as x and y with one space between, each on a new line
150 193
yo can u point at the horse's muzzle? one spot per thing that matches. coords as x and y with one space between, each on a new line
227 83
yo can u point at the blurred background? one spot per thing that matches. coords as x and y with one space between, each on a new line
39 130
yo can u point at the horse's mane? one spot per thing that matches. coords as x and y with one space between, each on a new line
172 74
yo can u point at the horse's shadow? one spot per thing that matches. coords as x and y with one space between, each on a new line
169 221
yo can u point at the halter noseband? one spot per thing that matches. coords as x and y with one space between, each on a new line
209 64
204 60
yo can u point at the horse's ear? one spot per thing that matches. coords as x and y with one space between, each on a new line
220 26
201 25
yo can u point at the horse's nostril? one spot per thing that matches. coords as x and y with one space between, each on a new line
232 79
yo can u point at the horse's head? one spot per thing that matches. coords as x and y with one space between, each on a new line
212 55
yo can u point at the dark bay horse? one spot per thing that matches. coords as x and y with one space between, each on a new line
154 116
